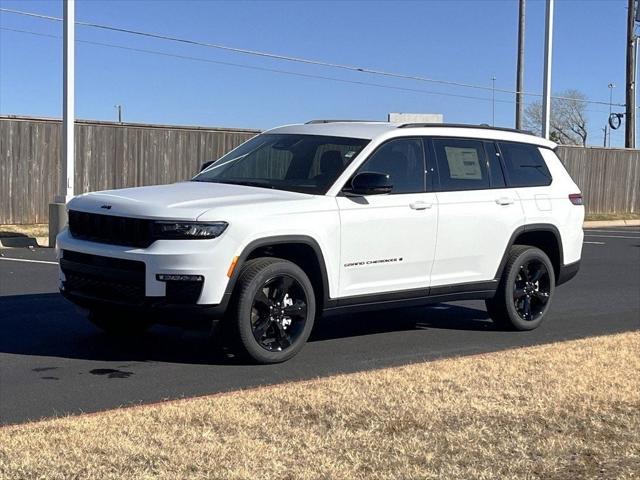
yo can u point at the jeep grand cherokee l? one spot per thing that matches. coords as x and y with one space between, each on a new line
331 216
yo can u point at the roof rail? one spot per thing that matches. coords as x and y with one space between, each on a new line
463 125
334 121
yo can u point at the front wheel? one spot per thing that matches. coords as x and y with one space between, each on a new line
273 310
525 291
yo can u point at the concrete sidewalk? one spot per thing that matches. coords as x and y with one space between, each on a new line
611 223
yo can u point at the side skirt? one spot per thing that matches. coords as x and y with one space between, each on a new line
413 298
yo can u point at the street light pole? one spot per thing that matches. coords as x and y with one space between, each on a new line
68 102
57 209
548 50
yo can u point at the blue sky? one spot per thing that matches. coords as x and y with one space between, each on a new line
465 41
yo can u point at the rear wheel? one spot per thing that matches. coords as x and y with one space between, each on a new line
118 323
273 310
525 291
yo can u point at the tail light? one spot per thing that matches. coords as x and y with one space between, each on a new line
576 198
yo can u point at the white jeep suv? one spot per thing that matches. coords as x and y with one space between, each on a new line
331 216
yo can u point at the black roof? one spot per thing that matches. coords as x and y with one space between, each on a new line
463 125
423 125
310 122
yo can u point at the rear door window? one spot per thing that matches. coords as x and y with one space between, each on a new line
525 165
462 164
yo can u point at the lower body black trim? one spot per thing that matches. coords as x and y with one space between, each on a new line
416 297
567 272
406 298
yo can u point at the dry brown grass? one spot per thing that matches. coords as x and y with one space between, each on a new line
567 410
34 230
612 216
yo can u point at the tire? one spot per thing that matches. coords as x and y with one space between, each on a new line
272 311
528 278
118 323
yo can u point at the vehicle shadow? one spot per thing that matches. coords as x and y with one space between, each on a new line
47 325
439 316
14 239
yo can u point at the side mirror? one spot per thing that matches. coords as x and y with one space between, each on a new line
206 165
371 183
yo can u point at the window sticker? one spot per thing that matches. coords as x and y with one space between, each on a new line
464 163
349 154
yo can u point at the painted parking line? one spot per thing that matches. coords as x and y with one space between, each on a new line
612 236
594 243
27 260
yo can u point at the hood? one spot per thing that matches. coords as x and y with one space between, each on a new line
178 201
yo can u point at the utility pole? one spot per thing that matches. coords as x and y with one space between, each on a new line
57 209
520 66
630 124
546 90
611 87
493 101
119 108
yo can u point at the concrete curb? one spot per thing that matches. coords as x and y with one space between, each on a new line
611 223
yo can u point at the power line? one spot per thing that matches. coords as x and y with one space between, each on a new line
264 69
252 67
291 59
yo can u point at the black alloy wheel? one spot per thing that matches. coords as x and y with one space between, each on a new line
279 313
272 311
531 290
525 289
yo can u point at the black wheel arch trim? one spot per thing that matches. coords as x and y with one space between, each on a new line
533 227
567 272
276 240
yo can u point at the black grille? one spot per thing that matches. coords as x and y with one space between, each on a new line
131 232
105 278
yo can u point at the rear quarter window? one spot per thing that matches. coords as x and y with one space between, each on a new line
525 165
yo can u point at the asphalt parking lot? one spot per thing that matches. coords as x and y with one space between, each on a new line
53 362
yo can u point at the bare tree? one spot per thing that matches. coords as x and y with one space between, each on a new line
568 124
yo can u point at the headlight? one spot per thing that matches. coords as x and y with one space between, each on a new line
188 230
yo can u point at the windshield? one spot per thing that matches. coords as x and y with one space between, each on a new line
299 163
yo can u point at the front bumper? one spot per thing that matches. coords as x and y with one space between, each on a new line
161 310
95 275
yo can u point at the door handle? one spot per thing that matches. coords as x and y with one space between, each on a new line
504 201
420 205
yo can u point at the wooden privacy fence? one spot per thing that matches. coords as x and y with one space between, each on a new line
609 178
113 155
108 155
